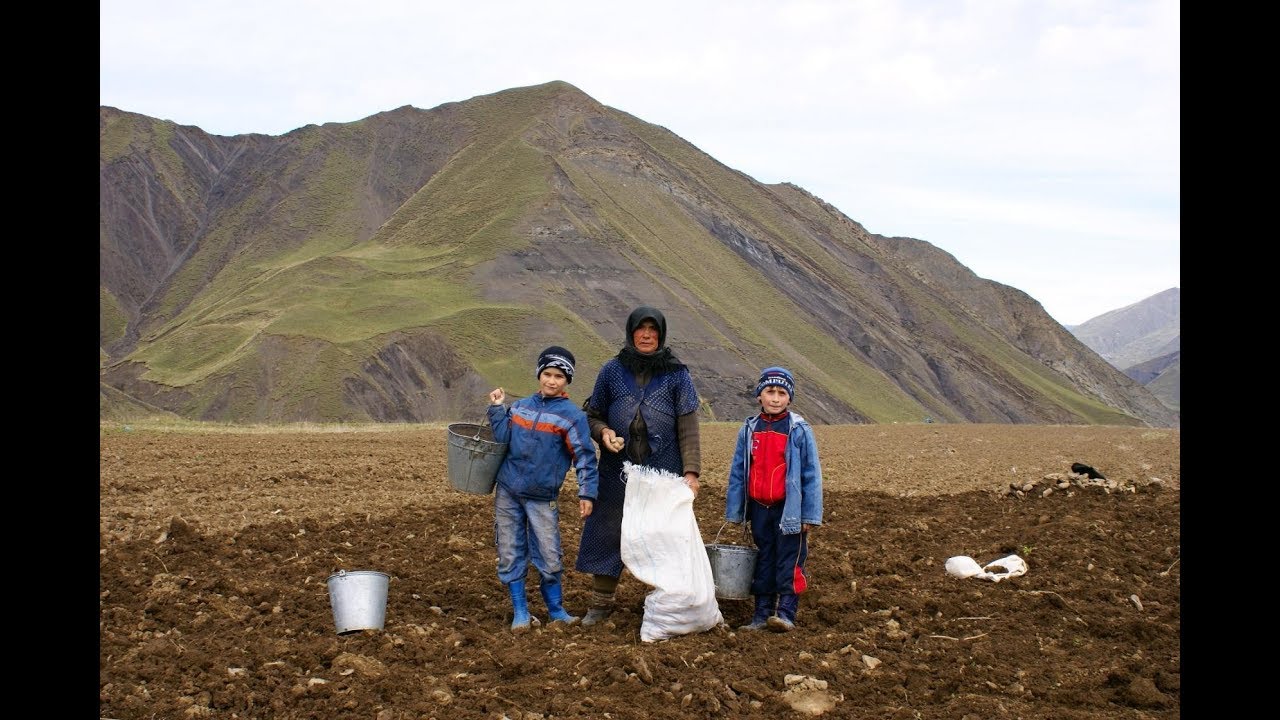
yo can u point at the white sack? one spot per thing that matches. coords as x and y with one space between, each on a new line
663 548
1012 566
963 566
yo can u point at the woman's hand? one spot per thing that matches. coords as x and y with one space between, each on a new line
584 507
691 479
497 396
610 440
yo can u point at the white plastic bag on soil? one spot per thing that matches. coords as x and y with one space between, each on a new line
663 548
963 566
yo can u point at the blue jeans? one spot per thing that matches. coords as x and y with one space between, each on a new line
526 531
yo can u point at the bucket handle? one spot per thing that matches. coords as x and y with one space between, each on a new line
484 420
746 533
480 426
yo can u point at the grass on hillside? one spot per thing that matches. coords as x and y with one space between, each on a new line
666 235
112 321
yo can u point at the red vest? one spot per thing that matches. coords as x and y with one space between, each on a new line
768 482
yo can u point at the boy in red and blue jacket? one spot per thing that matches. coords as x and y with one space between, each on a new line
545 433
775 483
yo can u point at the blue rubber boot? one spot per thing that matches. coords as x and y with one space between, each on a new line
553 595
785 619
764 608
520 619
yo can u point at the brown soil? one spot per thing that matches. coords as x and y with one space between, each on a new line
215 548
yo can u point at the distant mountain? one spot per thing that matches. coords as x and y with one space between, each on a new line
1167 384
1162 376
397 268
1144 340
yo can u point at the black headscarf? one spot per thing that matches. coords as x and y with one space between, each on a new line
659 361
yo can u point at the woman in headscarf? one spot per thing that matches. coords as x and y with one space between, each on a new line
644 409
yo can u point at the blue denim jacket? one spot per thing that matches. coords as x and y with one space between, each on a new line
803 503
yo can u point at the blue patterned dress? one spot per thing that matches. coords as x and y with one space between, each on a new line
616 398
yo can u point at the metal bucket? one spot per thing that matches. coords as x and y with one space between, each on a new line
732 567
358 599
474 457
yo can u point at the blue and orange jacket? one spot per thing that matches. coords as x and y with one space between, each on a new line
545 437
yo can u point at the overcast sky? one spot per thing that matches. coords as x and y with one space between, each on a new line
1037 141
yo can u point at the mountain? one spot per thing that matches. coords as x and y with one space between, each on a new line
1162 376
1135 333
399 267
1144 340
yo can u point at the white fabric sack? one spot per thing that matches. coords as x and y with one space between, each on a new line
663 548
1012 566
963 566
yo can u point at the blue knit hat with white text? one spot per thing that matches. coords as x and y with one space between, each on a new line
556 357
776 376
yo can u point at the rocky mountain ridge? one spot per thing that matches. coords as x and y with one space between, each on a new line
396 268
1143 340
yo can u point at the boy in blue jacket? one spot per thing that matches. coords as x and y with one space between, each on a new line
775 483
545 433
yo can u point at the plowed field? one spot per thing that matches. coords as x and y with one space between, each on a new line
215 546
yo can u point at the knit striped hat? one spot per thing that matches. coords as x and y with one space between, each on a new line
776 376
556 357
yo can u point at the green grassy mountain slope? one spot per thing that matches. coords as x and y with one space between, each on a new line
398 267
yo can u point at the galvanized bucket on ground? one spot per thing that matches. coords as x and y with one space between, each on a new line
474 457
358 599
732 567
